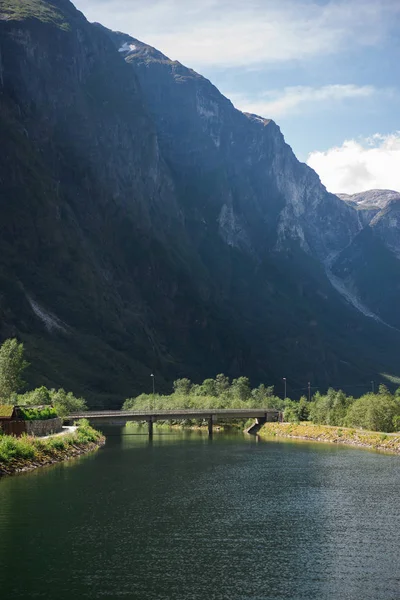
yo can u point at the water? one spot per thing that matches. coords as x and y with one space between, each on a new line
186 518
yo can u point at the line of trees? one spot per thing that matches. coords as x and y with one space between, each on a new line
374 411
12 368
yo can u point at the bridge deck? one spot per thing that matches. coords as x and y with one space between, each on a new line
269 414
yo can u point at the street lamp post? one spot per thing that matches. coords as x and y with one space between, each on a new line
284 381
309 391
154 386
373 387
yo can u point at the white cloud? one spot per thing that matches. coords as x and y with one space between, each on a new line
360 165
278 103
235 33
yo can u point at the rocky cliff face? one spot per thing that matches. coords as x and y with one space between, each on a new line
370 265
255 183
147 225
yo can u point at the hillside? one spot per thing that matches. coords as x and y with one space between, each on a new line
149 226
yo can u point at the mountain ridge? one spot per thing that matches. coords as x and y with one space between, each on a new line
147 226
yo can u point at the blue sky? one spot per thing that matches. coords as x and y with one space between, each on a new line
327 71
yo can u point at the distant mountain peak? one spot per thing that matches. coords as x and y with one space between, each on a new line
371 198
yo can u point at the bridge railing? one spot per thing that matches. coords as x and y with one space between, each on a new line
256 412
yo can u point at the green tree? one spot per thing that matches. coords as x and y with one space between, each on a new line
66 403
222 384
40 396
241 388
182 387
291 411
303 409
207 388
263 396
330 408
396 423
12 366
376 412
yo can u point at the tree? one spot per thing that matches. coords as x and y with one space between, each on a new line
329 409
182 387
12 366
263 396
241 388
208 388
376 412
66 403
36 397
222 384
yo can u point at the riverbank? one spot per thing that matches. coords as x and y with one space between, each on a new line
27 453
190 425
389 442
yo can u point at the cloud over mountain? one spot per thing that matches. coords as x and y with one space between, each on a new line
357 165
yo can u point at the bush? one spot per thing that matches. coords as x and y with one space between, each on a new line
16 448
30 448
38 414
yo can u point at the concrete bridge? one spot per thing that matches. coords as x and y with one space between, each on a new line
262 415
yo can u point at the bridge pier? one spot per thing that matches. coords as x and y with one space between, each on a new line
210 425
150 423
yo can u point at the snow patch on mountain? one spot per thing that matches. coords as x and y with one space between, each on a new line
127 47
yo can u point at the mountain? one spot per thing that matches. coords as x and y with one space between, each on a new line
147 226
370 265
370 199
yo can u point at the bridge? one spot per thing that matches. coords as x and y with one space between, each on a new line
211 415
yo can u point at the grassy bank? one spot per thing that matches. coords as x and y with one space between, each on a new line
337 435
27 453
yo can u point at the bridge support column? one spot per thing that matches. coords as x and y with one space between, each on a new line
210 425
150 423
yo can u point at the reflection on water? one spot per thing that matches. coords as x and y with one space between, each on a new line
187 517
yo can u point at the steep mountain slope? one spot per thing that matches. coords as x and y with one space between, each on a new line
254 183
148 226
237 165
370 265
89 220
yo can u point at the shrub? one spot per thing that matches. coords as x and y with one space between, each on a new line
38 414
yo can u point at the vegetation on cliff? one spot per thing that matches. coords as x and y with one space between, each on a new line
45 12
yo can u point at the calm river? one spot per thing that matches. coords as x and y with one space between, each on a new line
187 518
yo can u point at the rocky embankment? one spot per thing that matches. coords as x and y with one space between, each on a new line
18 455
389 442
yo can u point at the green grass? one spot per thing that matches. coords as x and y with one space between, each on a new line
18 10
17 451
324 433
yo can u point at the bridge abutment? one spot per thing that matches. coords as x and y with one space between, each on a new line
210 425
